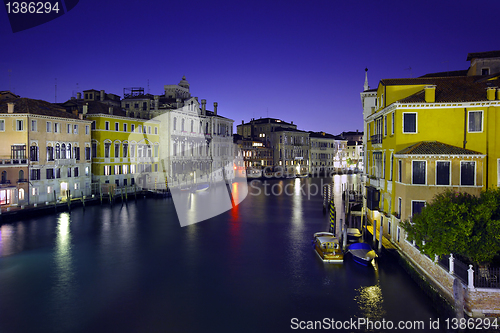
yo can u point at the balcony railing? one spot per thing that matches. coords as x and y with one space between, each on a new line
14 161
66 161
22 180
376 139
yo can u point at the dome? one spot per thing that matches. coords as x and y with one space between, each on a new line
184 83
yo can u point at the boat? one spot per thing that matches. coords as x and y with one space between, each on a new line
353 235
253 173
327 247
362 253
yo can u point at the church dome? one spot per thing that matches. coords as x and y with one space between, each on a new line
184 83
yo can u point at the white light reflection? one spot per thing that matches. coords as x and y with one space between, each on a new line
370 302
63 289
296 235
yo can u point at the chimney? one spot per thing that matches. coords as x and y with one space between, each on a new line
102 95
430 94
215 108
72 98
490 93
80 116
110 110
203 107
78 95
85 108
242 122
157 102
10 107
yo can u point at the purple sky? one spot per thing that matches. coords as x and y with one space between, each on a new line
300 61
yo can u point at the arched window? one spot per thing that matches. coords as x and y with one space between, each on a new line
4 177
68 151
192 126
21 194
63 151
58 151
175 123
21 174
182 125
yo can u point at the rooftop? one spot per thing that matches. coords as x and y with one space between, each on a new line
435 148
35 106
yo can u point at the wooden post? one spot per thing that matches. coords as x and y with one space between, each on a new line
374 230
55 201
381 233
68 199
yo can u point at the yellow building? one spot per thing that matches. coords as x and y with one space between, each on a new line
125 150
426 135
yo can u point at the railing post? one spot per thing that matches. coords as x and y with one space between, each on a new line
471 277
452 264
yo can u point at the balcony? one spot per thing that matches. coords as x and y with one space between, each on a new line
14 161
376 139
22 180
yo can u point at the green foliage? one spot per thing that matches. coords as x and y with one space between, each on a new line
459 223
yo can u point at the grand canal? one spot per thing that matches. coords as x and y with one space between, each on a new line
133 268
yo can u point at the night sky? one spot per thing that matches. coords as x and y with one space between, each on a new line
300 61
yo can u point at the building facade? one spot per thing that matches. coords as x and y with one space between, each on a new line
53 149
425 135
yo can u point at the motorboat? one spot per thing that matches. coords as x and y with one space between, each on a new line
362 253
353 235
327 247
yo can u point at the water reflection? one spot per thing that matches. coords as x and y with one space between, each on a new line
370 302
6 240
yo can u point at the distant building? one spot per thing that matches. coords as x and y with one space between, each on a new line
290 150
323 151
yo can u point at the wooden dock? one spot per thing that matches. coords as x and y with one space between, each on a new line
385 242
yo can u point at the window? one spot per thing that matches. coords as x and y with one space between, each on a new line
391 166
76 172
132 128
106 126
117 150
63 151
156 130
418 172
49 126
400 203
34 153
69 129
58 151
132 150
50 173
107 146
125 169
475 121
87 153
409 123
392 123
125 150
107 170
87 129
69 171
18 152
19 125
117 169
182 125
76 153
93 125
124 127
485 71
149 129
94 150
58 173
2 125
33 125
443 173
385 125
75 129
467 173
50 153
175 123
416 207
144 129
35 174
117 127
57 128
68 151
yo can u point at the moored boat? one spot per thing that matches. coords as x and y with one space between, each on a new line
353 235
327 247
362 253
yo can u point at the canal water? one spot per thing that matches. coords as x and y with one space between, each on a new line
133 268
